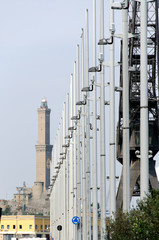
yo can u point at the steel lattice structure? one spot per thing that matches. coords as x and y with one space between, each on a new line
134 100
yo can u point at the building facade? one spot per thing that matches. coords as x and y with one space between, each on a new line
24 226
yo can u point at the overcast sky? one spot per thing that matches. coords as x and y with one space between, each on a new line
38 41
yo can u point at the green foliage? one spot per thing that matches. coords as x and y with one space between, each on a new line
7 211
141 223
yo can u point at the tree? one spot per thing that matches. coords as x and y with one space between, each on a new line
141 223
7 210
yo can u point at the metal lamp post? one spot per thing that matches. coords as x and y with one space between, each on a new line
126 151
102 131
144 162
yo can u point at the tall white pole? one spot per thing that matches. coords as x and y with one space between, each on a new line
71 212
68 168
65 174
87 131
58 177
126 153
78 154
94 143
102 132
62 175
112 159
144 166
84 223
75 154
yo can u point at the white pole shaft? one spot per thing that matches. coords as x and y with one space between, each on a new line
62 173
71 209
68 168
84 230
144 167
75 154
87 130
126 153
58 185
64 176
102 132
94 143
112 159
78 154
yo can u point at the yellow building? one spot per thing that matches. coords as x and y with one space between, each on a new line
22 226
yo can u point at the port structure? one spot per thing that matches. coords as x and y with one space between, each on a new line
134 99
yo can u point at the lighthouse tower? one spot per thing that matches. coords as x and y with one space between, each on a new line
43 148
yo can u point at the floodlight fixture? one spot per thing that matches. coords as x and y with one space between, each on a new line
118 89
84 102
68 136
119 5
106 41
62 153
72 128
66 145
77 117
89 88
107 103
96 69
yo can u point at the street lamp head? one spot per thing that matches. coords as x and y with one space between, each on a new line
87 89
118 89
120 5
77 117
66 145
105 41
107 103
68 136
81 102
72 128
93 69
96 69
117 5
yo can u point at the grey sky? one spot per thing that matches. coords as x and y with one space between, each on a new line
37 49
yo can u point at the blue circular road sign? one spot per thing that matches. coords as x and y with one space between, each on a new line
75 220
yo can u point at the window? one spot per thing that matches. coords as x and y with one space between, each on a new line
45 226
41 226
20 226
8 226
13 226
30 226
2 226
36 227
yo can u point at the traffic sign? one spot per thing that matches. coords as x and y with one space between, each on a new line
75 220
59 227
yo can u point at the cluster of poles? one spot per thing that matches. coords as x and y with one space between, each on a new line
78 169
